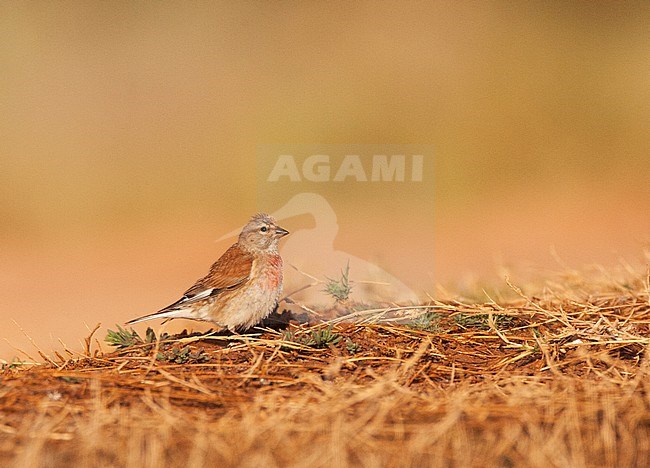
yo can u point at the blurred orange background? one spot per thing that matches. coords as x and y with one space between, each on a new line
129 136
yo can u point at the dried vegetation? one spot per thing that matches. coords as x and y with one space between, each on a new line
559 378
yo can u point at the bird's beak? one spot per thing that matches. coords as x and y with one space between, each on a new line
281 232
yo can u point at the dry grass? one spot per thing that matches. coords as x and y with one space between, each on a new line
560 378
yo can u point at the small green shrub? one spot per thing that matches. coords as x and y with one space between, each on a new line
341 288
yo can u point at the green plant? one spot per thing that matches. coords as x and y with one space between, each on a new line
429 321
324 337
14 364
123 338
341 288
183 355
351 346
320 338
150 336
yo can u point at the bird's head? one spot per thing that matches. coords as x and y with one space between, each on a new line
261 234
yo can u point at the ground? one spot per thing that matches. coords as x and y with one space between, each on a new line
555 379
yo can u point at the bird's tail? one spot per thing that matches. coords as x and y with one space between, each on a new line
164 313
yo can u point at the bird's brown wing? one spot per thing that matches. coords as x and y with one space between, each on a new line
231 270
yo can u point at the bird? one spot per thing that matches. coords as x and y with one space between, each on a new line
312 250
242 287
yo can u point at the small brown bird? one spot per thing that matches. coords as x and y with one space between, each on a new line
242 287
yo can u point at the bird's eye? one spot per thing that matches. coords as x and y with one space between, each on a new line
264 229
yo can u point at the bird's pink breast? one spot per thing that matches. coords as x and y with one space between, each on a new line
273 271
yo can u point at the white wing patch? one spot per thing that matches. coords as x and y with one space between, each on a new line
197 297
